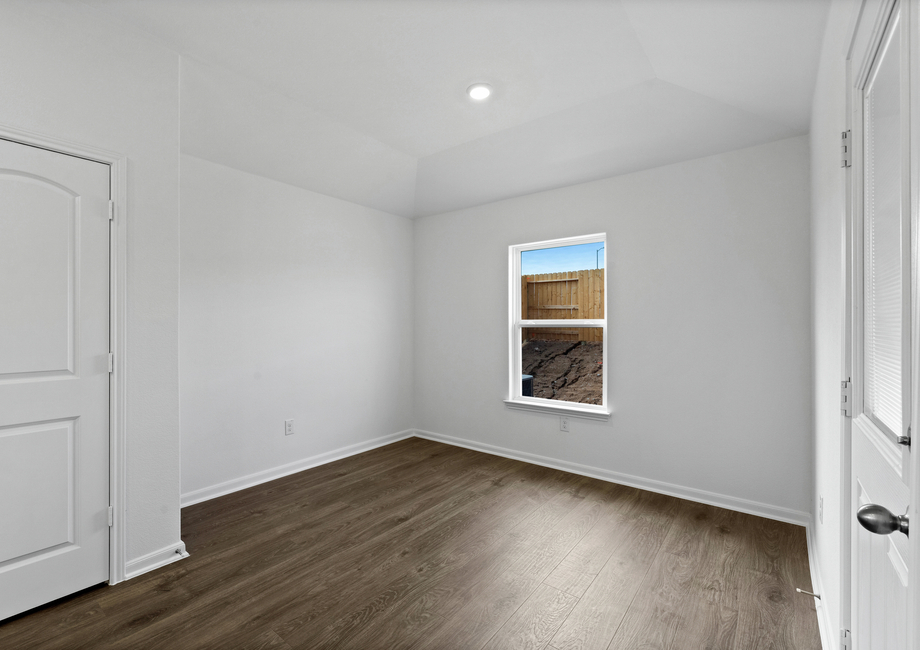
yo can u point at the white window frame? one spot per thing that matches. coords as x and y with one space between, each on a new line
515 399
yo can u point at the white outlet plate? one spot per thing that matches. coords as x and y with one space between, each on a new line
288 427
564 423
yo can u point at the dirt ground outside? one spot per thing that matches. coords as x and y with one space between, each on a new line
565 370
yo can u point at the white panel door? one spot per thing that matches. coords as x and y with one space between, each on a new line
881 365
54 375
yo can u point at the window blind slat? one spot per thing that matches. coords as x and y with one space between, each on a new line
883 292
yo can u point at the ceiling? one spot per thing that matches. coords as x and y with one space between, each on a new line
365 99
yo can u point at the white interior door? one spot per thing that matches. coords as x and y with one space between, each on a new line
881 361
54 375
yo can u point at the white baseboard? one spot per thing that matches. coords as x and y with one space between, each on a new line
824 623
691 494
243 482
155 560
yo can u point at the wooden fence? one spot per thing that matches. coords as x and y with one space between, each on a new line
572 294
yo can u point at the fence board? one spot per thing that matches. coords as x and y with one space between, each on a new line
592 307
525 298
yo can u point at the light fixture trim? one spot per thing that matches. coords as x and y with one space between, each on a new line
479 91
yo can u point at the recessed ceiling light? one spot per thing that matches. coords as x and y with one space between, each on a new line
479 91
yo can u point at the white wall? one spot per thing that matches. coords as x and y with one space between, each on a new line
69 73
293 305
710 326
828 239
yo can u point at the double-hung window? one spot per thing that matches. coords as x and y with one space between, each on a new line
558 327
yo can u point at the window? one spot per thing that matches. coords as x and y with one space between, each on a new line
558 327
886 247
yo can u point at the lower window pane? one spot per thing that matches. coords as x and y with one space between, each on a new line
565 364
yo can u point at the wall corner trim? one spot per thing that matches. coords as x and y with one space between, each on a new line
691 494
155 560
243 482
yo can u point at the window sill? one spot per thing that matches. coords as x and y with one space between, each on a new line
535 405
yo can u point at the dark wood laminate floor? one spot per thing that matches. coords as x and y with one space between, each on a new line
426 546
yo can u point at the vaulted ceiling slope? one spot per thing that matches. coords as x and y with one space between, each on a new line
365 99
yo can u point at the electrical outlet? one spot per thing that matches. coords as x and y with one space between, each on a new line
288 427
564 423
821 509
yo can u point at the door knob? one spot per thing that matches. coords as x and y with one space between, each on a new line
880 520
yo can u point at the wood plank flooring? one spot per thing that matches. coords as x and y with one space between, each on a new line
420 545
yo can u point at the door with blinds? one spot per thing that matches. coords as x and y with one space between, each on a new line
881 358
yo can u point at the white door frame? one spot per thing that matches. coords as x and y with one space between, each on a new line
876 10
118 176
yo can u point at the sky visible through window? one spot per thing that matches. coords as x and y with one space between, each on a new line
563 258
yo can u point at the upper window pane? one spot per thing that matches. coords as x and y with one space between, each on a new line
563 282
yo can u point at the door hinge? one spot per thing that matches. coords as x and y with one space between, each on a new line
111 516
844 640
846 398
111 362
845 150
111 210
